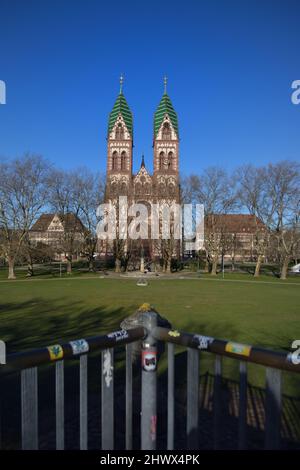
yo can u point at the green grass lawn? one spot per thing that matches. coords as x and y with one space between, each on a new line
43 311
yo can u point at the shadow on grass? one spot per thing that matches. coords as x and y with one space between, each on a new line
36 323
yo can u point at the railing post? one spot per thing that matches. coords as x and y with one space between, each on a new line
171 395
242 406
60 405
217 404
107 399
149 383
29 407
273 408
192 398
128 397
147 318
83 401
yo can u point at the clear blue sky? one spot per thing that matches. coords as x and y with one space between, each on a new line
230 66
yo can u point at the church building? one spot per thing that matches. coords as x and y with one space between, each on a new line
158 187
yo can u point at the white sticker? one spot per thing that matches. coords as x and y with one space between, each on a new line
79 346
118 335
203 341
149 360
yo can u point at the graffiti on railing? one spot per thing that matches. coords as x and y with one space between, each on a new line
107 367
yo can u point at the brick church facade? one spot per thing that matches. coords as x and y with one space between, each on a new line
161 186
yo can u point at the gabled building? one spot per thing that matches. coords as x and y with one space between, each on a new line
58 231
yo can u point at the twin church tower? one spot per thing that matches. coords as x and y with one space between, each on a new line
163 185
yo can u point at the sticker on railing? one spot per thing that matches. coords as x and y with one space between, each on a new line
149 361
203 341
153 427
55 352
107 367
174 333
237 348
118 335
79 346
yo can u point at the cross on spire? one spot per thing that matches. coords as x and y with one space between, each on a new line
165 84
121 82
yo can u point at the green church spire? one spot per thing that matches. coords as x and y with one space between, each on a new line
165 107
121 107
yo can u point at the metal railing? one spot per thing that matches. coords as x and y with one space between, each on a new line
143 332
275 362
27 363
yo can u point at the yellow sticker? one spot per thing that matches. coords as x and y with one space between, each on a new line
144 307
174 333
237 348
55 352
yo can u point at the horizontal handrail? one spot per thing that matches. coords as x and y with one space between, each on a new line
75 348
70 350
244 352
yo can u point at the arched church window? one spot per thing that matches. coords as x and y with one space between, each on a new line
114 188
147 188
123 160
171 160
161 189
119 132
171 189
161 160
124 189
166 131
114 161
138 188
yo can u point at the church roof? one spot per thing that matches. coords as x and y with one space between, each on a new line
121 107
165 107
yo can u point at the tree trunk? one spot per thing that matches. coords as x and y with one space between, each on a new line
69 266
30 271
206 266
118 265
11 268
214 267
91 264
168 267
258 265
284 268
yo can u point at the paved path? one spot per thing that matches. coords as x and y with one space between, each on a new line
152 278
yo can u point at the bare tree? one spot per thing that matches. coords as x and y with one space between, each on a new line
254 195
272 195
167 245
66 190
283 186
23 194
90 193
217 192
